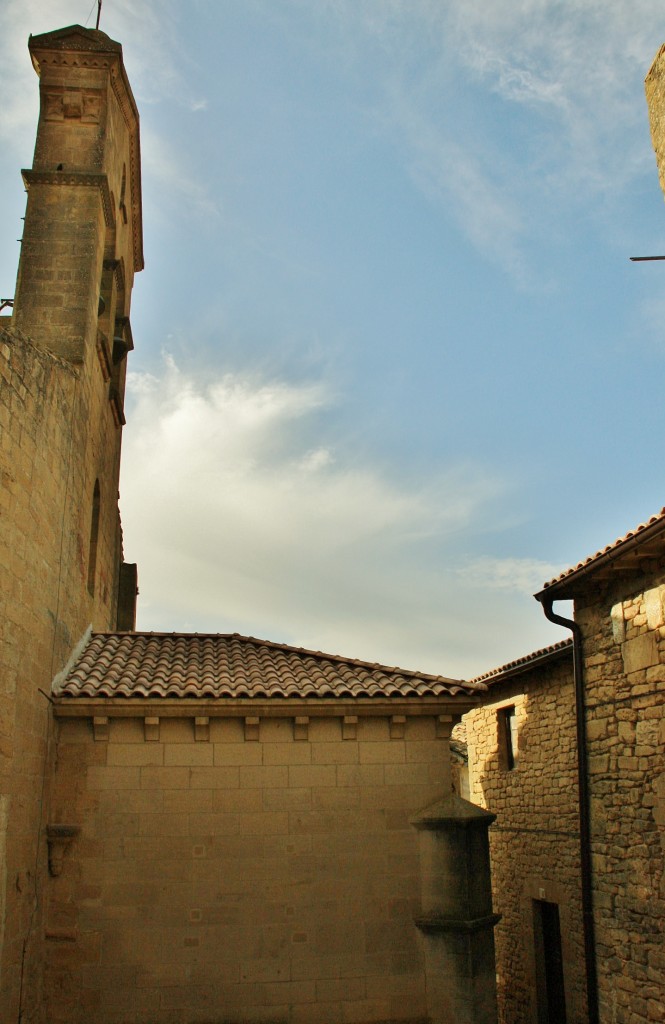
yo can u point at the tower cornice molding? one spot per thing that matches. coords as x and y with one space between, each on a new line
75 178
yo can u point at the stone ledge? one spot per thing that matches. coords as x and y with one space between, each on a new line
436 925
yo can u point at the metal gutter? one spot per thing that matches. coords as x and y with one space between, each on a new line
547 599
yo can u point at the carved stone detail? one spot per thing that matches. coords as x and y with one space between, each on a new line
72 104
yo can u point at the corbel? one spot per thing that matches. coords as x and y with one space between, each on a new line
444 726
252 728
58 838
202 729
349 727
397 727
100 728
151 729
301 728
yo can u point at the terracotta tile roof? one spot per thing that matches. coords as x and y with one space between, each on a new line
644 540
514 668
202 666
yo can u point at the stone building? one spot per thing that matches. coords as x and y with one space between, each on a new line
245 839
62 371
523 765
619 599
218 828
568 750
192 828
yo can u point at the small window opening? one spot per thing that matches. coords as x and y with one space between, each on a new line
94 533
508 737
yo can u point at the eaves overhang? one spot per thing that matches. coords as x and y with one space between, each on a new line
544 657
635 551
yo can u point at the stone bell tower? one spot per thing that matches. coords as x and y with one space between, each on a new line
63 356
82 245
83 235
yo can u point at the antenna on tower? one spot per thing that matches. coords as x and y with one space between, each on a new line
99 13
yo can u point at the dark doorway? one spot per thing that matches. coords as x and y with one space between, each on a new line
549 963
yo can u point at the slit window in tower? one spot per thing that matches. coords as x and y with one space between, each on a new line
94 533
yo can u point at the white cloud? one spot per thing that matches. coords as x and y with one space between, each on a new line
523 575
244 518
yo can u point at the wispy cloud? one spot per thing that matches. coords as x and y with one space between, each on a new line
523 575
247 517
575 69
453 177
581 61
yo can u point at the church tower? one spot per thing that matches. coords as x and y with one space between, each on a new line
63 357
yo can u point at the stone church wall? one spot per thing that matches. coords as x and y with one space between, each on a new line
45 500
534 842
231 871
60 423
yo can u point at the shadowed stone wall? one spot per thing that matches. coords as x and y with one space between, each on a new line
534 843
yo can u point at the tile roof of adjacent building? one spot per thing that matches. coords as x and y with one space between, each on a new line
645 541
529 661
201 666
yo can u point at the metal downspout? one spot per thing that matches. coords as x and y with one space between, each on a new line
584 807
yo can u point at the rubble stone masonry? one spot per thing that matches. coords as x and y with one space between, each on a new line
624 654
534 842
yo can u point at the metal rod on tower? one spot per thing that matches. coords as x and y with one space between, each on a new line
99 13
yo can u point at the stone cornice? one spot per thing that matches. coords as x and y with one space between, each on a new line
76 178
446 709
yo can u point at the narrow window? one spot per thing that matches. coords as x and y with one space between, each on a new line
122 206
508 739
549 963
94 533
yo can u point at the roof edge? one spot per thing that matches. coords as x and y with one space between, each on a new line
554 652
570 582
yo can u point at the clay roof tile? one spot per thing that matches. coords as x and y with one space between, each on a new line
192 665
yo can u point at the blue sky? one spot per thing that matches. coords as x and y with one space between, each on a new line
393 367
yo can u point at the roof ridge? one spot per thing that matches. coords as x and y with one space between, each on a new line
277 645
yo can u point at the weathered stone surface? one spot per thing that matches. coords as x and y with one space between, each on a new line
59 447
534 842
